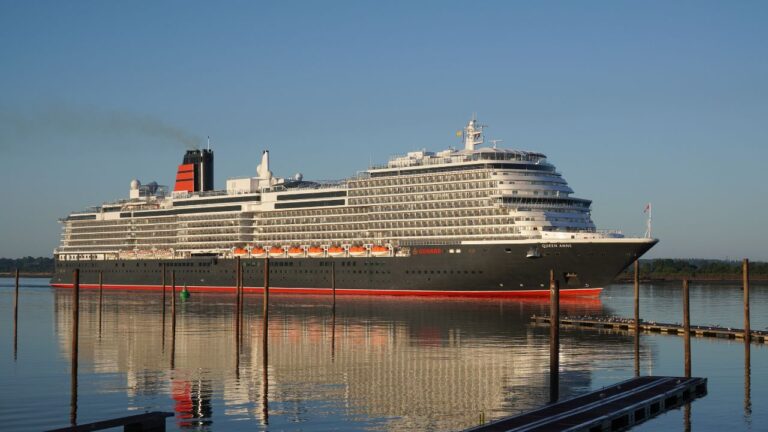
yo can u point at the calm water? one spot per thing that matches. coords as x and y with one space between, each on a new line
382 364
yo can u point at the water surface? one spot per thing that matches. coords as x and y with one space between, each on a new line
379 364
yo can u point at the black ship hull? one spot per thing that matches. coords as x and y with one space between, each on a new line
472 270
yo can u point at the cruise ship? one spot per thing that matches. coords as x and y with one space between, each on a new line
478 221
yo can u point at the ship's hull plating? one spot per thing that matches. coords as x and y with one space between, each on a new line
472 270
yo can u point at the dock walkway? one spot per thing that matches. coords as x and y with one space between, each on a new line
613 408
627 324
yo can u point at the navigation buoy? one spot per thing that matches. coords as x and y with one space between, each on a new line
184 294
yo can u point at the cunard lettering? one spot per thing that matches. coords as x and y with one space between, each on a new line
427 251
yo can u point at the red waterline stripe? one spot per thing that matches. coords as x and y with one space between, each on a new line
343 291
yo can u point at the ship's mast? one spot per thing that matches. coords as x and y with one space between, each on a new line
649 211
473 134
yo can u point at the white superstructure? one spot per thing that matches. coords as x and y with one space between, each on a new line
452 196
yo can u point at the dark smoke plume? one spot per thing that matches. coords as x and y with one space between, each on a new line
18 126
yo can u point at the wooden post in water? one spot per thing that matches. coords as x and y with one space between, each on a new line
745 281
687 328
637 317
265 316
239 271
265 346
333 312
333 285
75 345
101 297
238 280
554 338
163 308
241 302
16 317
173 318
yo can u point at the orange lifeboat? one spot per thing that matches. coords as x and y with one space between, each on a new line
379 251
295 252
276 251
335 251
240 252
315 252
357 251
258 252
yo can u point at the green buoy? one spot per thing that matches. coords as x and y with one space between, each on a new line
184 294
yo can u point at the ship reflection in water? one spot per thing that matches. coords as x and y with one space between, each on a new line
379 363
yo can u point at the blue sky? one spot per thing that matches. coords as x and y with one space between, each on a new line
662 101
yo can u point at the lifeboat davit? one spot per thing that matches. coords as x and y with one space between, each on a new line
315 252
379 251
295 252
240 252
258 252
357 251
276 252
335 251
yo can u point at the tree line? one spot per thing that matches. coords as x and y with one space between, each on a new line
668 268
27 265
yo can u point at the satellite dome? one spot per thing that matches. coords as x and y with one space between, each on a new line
135 184
298 176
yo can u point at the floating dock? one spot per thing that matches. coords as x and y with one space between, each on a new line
613 408
627 324
148 422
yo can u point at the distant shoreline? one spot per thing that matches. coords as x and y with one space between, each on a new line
27 274
651 270
623 278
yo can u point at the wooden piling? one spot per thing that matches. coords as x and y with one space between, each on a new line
265 314
75 345
241 301
16 317
333 312
101 297
745 281
238 276
173 318
238 311
554 337
687 328
333 284
173 302
163 307
637 317
265 346
164 285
